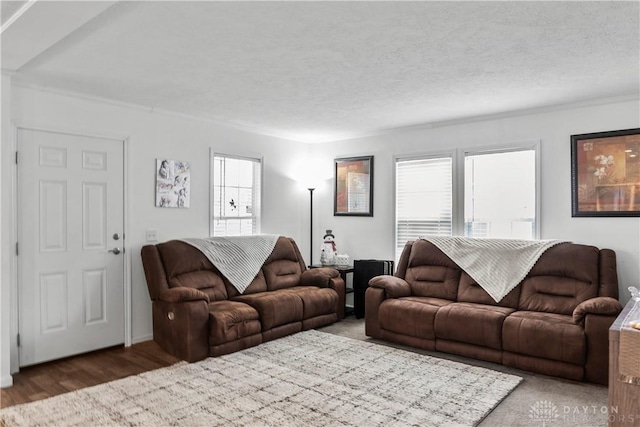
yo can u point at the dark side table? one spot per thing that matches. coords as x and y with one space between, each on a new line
365 270
343 270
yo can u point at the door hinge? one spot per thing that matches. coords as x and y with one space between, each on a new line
16 157
18 340
17 251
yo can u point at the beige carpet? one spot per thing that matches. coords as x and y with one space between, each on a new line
311 378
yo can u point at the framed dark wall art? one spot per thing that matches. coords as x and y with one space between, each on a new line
353 195
605 173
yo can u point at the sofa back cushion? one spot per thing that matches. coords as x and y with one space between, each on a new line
429 272
564 276
608 274
470 291
257 285
284 266
186 266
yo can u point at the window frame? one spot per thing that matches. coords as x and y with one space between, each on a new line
496 149
254 158
458 157
454 185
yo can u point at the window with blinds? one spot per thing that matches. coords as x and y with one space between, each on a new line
236 197
500 192
424 199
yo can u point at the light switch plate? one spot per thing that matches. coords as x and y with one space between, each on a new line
151 235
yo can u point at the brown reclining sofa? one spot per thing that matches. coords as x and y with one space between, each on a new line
197 313
554 322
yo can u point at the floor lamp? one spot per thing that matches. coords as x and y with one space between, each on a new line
310 225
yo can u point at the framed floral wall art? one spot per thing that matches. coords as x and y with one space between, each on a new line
173 183
353 194
605 173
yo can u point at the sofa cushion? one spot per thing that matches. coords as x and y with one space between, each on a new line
413 316
282 274
186 266
276 308
431 273
546 335
230 321
257 285
179 257
315 301
206 281
472 323
283 268
564 276
470 291
551 294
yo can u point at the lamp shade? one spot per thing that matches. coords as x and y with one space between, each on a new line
312 174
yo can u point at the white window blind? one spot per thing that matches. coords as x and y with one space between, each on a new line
236 196
424 199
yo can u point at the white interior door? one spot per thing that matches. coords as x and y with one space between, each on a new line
70 219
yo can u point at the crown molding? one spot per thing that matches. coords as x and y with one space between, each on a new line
495 116
154 110
17 15
541 110
344 137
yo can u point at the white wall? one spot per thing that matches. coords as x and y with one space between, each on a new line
374 237
150 136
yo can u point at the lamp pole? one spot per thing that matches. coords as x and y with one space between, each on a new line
311 225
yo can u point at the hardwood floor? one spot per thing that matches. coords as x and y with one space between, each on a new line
73 373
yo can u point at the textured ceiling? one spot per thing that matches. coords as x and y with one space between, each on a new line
315 71
10 8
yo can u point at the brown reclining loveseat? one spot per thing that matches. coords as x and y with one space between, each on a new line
198 313
554 322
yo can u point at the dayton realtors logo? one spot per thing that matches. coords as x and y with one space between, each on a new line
544 411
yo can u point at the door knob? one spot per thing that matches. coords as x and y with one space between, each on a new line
115 251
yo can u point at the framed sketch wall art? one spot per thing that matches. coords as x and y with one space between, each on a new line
173 183
353 195
605 173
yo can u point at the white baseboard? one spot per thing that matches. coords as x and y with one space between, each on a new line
6 381
143 338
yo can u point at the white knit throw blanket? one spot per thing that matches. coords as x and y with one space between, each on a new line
498 265
238 258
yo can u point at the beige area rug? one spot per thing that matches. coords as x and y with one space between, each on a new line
307 379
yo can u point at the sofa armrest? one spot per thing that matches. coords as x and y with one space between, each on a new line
597 315
182 294
394 287
182 328
153 271
320 277
604 306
